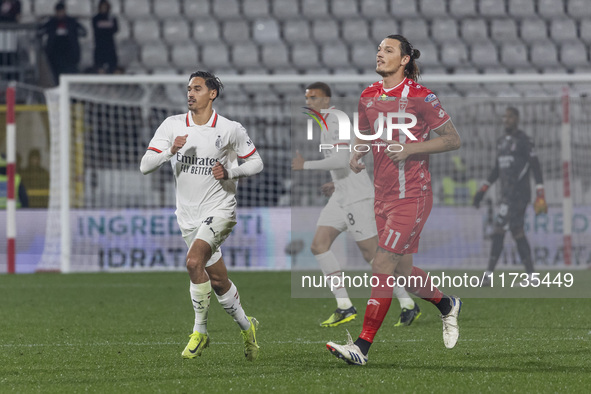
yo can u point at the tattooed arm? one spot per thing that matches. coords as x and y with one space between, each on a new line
448 140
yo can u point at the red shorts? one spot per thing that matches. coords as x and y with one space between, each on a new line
400 223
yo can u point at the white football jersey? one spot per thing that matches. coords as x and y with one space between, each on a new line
349 186
198 194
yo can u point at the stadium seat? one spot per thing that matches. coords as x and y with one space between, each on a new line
563 29
184 55
175 30
124 29
466 70
363 55
245 55
215 55
344 8
415 29
503 30
154 55
312 9
444 30
585 32
514 55
196 9
288 89
543 54
167 9
492 8
382 28
574 54
461 9
355 30
27 12
206 30
454 54
345 70
335 55
429 54
549 9
474 30
521 8
265 31
275 55
225 9
87 23
304 56
433 9
317 71
44 7
146 30
254 9
296 30
402 9
116 8
579 9
235 30
484 55
325 30
128 52
80 8
262 91
137 9
285 9
86 56
533 30
374 8
432 70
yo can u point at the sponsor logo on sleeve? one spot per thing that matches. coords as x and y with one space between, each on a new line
430 98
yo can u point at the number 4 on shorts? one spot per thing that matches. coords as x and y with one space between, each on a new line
208 220
395 239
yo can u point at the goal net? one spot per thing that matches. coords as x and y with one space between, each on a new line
105 215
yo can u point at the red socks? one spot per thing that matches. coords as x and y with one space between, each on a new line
425 292
377 306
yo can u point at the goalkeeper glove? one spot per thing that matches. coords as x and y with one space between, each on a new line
540 205
479 195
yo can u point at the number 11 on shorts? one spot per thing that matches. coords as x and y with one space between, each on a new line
390 237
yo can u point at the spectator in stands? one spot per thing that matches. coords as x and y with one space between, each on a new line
457 189
10 12
62 46
22 199
37 180
104 26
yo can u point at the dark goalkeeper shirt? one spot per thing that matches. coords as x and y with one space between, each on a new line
516 156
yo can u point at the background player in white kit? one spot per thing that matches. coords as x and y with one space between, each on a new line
203 149
350 208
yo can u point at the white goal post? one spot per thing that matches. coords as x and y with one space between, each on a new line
85 87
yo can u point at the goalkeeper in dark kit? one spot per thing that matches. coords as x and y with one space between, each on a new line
516 159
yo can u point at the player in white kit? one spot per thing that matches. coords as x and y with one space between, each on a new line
350 208
203 148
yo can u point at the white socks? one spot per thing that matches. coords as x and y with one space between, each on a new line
330 266
403 298
200 297
231 304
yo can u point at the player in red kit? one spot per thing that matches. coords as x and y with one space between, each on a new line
403 196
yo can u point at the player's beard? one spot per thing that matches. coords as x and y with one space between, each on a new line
384 73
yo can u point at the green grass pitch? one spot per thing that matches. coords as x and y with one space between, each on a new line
124 333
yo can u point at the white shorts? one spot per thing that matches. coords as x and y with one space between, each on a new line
358 218
213 230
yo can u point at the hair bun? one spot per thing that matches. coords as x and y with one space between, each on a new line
416 54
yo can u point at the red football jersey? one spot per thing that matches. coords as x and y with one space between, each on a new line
409 178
